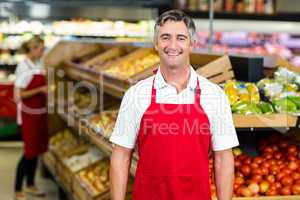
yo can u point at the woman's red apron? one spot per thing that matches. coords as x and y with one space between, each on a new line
34 125
173 146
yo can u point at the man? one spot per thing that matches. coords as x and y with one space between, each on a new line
174 117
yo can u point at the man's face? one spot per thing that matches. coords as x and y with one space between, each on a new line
173 44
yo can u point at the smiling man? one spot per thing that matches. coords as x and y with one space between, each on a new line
174 118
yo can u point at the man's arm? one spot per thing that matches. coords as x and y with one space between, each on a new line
119 171
224 173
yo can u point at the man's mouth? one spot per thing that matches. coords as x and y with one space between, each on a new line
172 53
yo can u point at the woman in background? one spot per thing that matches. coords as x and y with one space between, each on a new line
31 98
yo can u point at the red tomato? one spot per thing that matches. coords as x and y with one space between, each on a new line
285 191
292 149
274 169
278 185
239 180
271 193
278 155
270 178
237 163
280 175
264 171
256 178
254 165
296 189
244 192
287 181
293 165
283 144
295 175
247 161
258 160
245 169
266 164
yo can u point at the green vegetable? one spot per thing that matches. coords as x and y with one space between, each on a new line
265 107
255 109
295 100
284 105
239 106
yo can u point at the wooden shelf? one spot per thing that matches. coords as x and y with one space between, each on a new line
265 121
95 138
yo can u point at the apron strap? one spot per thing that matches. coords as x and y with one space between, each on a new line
197 93
153 92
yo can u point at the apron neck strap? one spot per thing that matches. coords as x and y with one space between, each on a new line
197 92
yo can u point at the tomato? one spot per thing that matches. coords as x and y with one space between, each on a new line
278 155
268 150
268 155
274 169
239 180
258 160
254 165
280 175
237 163
296 189
293 165
245 169
292 149
254 187
247 161
256 178
264 187
271 193
297 182
244 192
278 185
287 181
270 178
292 158
235 187
287 171
295 175
285 191
266 164
239 174
264 171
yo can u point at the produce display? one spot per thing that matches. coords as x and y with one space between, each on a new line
131 67
78 162
274 171
95 178
63 141
283 90
104 122
280 94
5 76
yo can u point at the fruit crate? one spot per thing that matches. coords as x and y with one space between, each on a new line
218 69
294 197
83 191
116 82
272 62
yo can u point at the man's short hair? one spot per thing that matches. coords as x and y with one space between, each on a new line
176 16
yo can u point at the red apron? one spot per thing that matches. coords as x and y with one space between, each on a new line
34 125
173 145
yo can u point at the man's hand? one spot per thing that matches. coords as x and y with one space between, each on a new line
119 171
224 173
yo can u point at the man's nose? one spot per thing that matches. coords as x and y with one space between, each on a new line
173 43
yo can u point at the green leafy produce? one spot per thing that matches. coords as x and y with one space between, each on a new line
284 105
266 107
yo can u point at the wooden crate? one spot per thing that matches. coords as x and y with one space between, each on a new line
117 85
82 191
50 161
218 71
272 62
65 176
295 197
259 121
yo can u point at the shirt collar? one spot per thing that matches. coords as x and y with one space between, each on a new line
160 83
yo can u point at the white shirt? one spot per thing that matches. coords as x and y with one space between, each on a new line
24 74
213 100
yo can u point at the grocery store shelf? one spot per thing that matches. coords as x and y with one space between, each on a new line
81 74
95 138
246 16
270 27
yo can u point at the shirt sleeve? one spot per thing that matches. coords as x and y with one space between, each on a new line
127 124
23 76
223 131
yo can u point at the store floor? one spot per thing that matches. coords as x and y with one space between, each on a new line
10 153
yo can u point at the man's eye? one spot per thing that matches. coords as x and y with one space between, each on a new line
165 37
181 38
